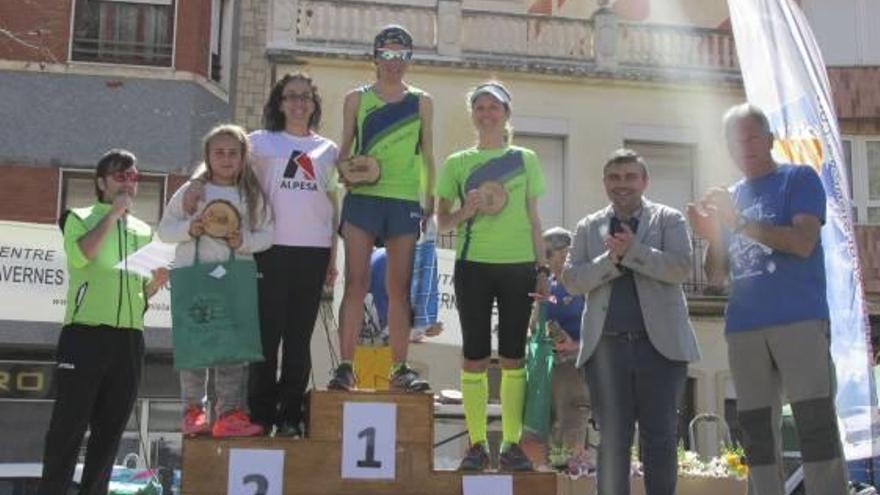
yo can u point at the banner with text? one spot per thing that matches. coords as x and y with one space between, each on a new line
33 276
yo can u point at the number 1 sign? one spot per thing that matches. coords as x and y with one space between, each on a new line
369 440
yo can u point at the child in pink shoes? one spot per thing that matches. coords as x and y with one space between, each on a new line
226 177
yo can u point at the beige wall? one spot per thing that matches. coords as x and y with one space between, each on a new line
712 375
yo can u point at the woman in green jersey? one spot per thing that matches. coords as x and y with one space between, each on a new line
499 258
390 122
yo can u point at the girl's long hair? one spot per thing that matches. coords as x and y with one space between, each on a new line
247 183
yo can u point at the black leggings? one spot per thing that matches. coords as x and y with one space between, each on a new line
477 286
290 287
97 378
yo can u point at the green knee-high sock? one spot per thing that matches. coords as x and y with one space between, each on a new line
513 398
474 396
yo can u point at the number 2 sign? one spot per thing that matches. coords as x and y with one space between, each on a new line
369 440
255 472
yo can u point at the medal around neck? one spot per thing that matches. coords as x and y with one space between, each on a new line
493 197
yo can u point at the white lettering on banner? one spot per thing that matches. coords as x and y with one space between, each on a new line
255 472
369 440
33 276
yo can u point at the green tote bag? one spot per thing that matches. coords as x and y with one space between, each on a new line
214 313
539 375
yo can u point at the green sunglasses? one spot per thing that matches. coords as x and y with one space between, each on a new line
385 54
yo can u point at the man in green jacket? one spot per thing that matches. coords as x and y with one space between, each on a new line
101 347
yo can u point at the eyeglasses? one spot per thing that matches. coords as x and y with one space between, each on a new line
304 97
126 176
385 54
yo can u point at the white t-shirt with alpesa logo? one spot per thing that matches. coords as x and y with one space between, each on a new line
296 174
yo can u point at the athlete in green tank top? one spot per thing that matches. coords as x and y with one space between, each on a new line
390 121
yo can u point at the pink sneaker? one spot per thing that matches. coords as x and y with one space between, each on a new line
195 422
236 423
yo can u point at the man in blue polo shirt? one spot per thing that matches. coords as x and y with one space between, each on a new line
763 235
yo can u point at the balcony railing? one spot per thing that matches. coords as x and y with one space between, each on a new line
675 46
122 52
352 24
490 33
447 33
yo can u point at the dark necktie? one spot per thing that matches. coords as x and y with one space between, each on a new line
617 224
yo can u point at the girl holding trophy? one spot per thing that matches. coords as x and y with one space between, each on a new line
213 280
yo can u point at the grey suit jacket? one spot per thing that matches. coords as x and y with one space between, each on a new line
660 258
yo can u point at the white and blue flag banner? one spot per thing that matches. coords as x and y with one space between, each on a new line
785 76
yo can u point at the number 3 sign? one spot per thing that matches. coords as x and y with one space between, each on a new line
369 440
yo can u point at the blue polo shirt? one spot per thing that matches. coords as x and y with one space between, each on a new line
567 311
769 287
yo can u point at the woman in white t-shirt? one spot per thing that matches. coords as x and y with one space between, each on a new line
296 169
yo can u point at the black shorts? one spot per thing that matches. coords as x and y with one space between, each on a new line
477 286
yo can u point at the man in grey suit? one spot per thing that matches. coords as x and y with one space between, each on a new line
630 259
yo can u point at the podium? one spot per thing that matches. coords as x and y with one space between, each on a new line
357 443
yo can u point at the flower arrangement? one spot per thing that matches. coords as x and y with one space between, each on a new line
565 460
730 464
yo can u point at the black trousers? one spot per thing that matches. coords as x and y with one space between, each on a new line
97 378
290 286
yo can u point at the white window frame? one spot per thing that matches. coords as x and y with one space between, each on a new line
172 66
553 127
859 181
658 134
150 2
84 172
224 32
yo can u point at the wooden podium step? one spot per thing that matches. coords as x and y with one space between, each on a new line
415 414
318 464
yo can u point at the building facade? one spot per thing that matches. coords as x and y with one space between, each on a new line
587 77
584 82
78 77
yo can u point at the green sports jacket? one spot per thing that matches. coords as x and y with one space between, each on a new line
99 293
